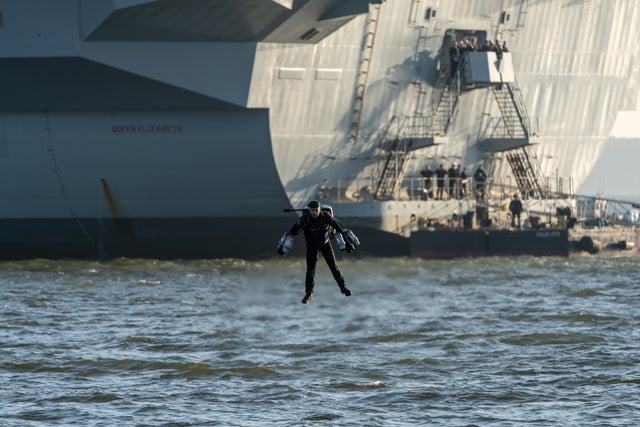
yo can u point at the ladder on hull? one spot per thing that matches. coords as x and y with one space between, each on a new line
363 72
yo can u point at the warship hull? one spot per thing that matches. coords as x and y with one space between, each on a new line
167 129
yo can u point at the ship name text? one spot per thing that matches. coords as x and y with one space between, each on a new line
548 234
146 128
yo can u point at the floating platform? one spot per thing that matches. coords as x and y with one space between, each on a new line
448 243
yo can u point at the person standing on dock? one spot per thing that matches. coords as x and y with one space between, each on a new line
453 181
427 173
480 177
515 207
441 173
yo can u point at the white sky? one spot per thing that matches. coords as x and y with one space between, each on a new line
627 125
616 174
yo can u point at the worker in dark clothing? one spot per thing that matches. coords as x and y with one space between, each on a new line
515 207
453 181
441 173
427 173
318 226
480 177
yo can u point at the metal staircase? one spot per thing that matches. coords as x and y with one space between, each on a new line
513 110
524 165
422 129
444 109
434 120
526 172
418 131
393 170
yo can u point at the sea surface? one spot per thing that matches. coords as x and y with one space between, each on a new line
470 342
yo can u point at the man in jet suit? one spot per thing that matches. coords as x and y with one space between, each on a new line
317 226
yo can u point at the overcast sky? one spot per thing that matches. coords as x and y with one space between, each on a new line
617 172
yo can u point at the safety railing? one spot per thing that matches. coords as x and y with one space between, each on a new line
412 188
598 212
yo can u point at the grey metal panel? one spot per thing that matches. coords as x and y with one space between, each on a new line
38 27
219 20
191 20
74 84
346 8
219 70
485 67
316 20
578 96
199 168
577 76
574 62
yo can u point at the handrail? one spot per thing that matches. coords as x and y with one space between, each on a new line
610 211
521 107
411 188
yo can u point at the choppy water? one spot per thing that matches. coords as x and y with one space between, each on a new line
487 342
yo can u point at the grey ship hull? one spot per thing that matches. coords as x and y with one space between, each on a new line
171 130
117 141
130 167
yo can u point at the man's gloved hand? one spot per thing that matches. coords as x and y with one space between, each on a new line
349 247
284 244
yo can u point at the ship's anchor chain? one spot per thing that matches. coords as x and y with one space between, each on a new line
65 196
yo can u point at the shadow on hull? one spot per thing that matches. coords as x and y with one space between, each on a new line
157 238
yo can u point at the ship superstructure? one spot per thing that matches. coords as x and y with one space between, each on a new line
181 129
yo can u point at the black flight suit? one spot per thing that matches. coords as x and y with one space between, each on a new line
315 231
